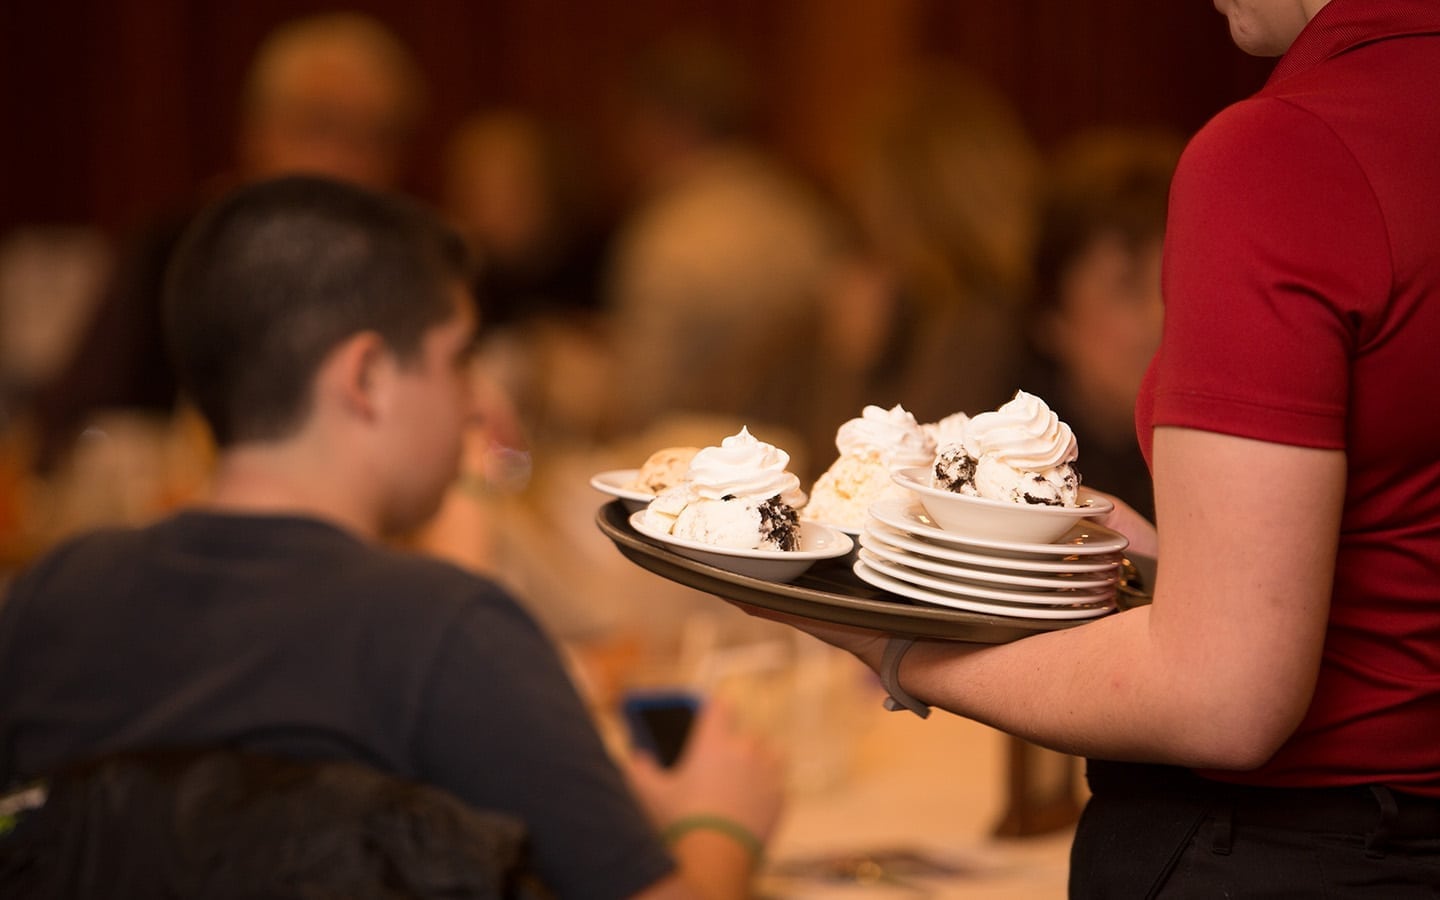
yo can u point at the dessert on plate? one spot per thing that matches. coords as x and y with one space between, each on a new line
871 446
947 431
739 495
663 469
1020 453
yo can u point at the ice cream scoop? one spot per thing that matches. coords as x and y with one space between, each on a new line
871 446
664 469
947 431
1020 452
740 494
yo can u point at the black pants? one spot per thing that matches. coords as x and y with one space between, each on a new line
1162 832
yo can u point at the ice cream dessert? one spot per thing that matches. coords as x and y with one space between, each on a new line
947 431
663 469
870 446
1020 453
739 495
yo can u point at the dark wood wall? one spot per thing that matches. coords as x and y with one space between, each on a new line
113 109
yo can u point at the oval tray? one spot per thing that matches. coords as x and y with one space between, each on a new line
827 592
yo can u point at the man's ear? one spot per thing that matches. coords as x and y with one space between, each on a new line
353 377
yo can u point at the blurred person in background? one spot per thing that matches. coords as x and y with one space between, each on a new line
723 256
941 184
713 280
1094 318
1091 325
515 190
323 332
334 94
49 280
514 186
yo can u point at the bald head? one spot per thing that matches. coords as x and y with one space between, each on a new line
334 95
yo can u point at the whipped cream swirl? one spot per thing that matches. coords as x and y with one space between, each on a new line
948 431
893 436
1024 432
743 466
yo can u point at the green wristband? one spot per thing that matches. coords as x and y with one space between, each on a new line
728 827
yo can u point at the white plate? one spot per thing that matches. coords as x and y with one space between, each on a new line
844 529
616 483
1053 581
817 542
978 559
1015 610
998 520
1085 539
973 591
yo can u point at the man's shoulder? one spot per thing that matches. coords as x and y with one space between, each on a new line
291 554
86 552
86 565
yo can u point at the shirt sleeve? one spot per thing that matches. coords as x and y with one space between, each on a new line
504 728
1275 245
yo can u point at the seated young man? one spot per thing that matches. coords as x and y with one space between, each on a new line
322 331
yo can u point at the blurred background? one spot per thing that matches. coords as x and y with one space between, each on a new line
689 216
115 108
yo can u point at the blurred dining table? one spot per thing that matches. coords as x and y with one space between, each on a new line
915 814
879 804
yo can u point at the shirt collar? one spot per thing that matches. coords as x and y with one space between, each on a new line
1343 25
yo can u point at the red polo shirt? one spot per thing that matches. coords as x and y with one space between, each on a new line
1302 291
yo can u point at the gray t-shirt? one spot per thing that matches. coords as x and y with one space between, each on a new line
288 635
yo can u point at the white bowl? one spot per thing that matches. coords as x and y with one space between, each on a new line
998 519
616 483
851 530
817 542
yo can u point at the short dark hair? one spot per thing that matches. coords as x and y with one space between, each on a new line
277 274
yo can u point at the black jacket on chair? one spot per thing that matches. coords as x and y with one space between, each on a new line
225 825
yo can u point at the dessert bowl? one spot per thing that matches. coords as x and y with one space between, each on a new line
849 531
998 519
616 483
817 542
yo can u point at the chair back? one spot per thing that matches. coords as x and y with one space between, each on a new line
224 824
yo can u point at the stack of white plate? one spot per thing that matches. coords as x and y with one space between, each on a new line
904 551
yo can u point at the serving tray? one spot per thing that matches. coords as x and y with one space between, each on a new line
828 592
